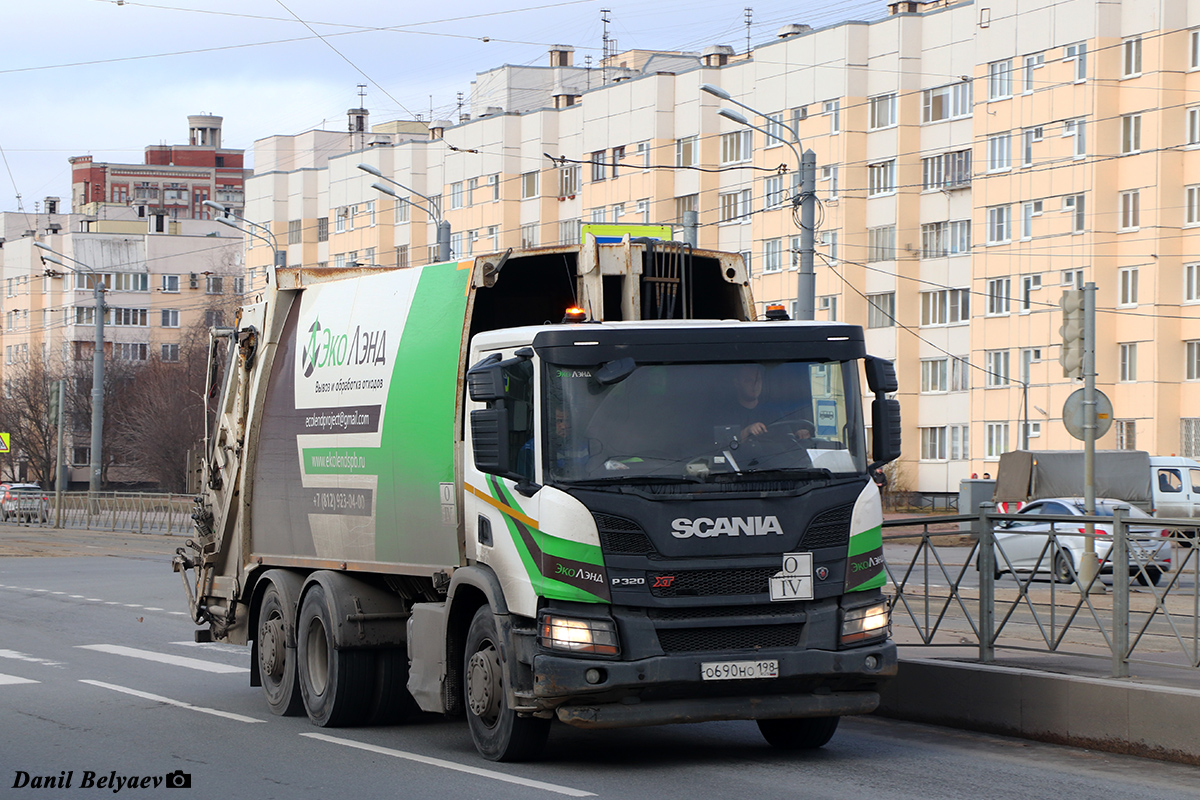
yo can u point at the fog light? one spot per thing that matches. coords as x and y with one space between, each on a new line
598 636
594 676
871 663
869 622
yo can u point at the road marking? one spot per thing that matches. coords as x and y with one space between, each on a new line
177 703
152 608
220 647
15 656
437 762
10 680
162 658
75 596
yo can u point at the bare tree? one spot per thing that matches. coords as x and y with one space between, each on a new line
25 414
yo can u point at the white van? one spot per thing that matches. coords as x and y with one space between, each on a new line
1175 483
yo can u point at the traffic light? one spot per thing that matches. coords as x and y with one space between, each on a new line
1073 333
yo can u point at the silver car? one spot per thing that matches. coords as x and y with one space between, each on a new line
1023 545
24 502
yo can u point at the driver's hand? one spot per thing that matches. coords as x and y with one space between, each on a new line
754 429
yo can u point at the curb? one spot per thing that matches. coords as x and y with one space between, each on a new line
1095 713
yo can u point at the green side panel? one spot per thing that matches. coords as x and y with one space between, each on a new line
552 550
864 561
418 428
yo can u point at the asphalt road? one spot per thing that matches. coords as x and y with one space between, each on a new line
99 680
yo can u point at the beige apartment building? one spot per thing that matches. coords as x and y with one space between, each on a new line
974 159
162 277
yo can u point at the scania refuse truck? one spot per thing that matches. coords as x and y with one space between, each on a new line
577 484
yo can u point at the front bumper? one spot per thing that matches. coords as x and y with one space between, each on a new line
665 689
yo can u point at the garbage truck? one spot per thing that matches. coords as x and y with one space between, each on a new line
576 484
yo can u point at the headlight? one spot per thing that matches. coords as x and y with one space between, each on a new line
597 636
868 622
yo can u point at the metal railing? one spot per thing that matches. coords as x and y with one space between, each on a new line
963 581
139 512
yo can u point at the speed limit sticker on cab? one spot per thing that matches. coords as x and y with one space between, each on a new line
738 670
795 580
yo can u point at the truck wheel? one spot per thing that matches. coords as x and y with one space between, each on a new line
276 662
807 733
336 684
391 702
499 734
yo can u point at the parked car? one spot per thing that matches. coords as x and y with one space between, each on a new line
1024 541
25 502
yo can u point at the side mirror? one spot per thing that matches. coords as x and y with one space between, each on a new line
489 438
881 375
885 430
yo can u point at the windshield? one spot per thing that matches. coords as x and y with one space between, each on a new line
690 421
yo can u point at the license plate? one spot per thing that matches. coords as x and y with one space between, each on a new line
795 580
738 670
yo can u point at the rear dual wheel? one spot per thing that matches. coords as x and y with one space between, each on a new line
337 685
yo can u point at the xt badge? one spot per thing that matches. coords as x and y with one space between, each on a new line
663 581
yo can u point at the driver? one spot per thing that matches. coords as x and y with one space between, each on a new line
751 416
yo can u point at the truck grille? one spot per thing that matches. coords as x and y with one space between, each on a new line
710 612
706 582
831 529
695 640
622 537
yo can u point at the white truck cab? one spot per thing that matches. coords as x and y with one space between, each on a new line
1175 484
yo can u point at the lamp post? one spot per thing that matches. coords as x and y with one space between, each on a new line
806 279
97 462
443 227
226 216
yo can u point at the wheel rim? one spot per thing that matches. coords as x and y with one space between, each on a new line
271 656
318 656
483 684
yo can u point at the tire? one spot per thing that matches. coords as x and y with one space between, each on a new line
1062 567
391 702
498 732
276 661
337 685
1149 576
807 733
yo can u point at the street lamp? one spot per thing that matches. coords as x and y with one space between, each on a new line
806 279
224 214
443 227
97 361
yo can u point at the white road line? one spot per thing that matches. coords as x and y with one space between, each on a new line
15 656
451 765
239 650
177 703
75 596
162 658
152 608
10 680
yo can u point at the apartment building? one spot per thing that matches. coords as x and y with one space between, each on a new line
973 161
160 281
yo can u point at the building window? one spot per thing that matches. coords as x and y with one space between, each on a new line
1193 360
881 178
1191 205
1131 134
1074 204
131 351
529 185
1072 278
129 317
946 102
1191 283
323 229
833 110
947 171
170 283
493 181
734 206
1076 128
568 232
529 235
934 240
999 224
1030 137
342 220
773 191
1028 212
997 367
959 446
933 375
829 304
1132 52
1128 287
773 255
568 181
960 375
1126 433
881 310
1128 360
618 155
999 292
1000 80
687 151
1029 284
1193 126
828 240
999 152
170 317
1131 214
401 256
294 231
881 243
883 111
1189 436
642 155
401 211
1078 54
997 440
170 352
1032 63
945 307
456 195
735 147
933 444
684 203
214 284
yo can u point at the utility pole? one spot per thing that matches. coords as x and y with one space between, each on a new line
61 478
97 388
806 277
1090 564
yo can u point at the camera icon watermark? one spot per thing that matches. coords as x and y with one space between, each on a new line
179 780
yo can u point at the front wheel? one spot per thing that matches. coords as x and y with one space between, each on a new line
1063 572
807 733
498 732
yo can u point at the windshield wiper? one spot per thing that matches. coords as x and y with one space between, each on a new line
799 473
627 480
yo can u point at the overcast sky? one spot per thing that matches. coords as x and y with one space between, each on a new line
108 77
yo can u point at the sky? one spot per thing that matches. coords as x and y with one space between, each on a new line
108 77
